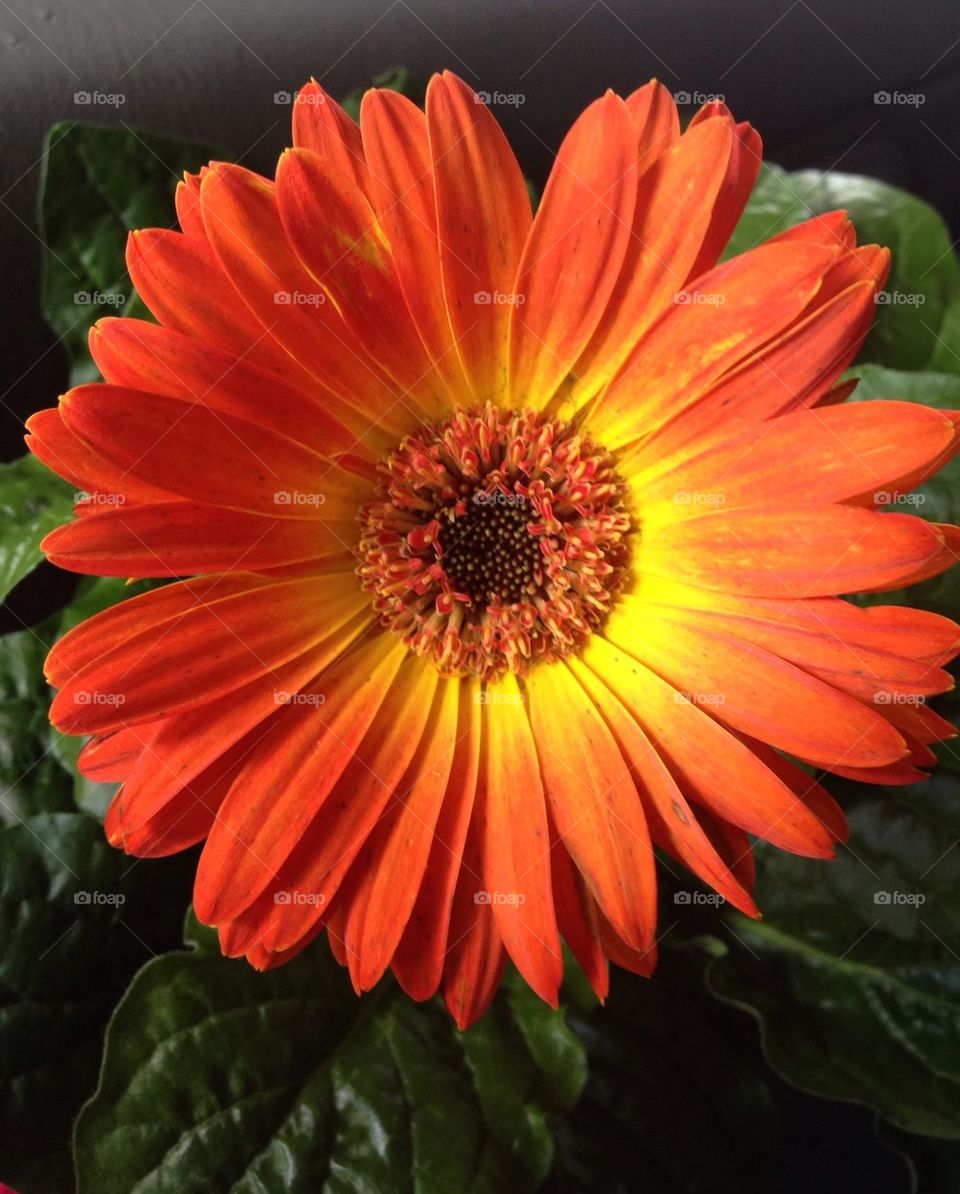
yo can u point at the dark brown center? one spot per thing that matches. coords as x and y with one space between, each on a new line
488 553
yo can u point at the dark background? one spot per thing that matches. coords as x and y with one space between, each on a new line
805 72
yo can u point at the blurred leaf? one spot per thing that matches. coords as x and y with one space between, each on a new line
945 357
852 972
218 1077
924 277
98 185
32 502
666 1062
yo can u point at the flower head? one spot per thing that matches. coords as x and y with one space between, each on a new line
502 547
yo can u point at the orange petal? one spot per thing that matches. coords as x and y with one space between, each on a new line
182 284
185 538
575 249
190 741
832 228
335 233
398 149
142 356
598 814
323 127
213 649
187 202
483 216
475 958
673 823
791 551
733 846
753 690
168 441
817 645
183 821
741 175
276 798
240 212
946 556
635 961
710 765
656 119
516 840
576 919
420 957
832 454
51 441
814 795
112 627
672 215
392 863
359 797
783 374
726 316
109 758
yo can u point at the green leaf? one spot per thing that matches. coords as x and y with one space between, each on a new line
924 278
63 963
217 1077
662 1054
32 503
945 357
938 500
98 185
31 777
852 973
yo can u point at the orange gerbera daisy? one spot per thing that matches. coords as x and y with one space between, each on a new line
512 543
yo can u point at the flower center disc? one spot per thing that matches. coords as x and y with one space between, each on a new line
497 539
